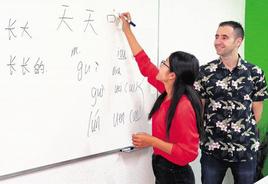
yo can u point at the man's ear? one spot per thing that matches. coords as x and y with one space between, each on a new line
239 41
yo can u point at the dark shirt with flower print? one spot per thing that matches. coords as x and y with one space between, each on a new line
231 132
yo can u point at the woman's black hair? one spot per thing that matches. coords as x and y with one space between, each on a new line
186 68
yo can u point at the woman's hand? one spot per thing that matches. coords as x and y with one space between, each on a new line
133 43
125 18
142 140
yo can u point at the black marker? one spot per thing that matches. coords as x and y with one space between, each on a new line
128 149
132 23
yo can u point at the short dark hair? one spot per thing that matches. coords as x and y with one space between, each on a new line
239 31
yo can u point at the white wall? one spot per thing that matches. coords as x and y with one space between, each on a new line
263 181
187 25
191 25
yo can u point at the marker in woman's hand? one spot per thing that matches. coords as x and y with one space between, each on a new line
131 23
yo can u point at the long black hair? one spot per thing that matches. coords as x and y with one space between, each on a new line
186 68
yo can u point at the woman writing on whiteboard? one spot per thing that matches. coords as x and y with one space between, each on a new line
176 114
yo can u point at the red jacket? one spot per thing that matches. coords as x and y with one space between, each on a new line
183 131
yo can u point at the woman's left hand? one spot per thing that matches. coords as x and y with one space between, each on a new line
142 140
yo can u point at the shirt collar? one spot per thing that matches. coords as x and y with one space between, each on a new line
240 63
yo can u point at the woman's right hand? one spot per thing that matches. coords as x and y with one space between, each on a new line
125 18
133 43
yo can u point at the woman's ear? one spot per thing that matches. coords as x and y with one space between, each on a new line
172 76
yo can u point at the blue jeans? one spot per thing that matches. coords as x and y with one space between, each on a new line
213 170
168 173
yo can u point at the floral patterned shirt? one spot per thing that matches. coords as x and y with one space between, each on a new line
231 132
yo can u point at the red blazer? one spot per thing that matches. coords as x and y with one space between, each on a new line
183 131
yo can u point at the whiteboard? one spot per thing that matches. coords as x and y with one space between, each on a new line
69 84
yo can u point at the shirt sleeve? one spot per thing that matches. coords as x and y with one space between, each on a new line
200 84
260 90
149 70
185 149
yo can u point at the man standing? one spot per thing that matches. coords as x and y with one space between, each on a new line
232 92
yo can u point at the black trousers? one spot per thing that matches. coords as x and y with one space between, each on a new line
168 173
